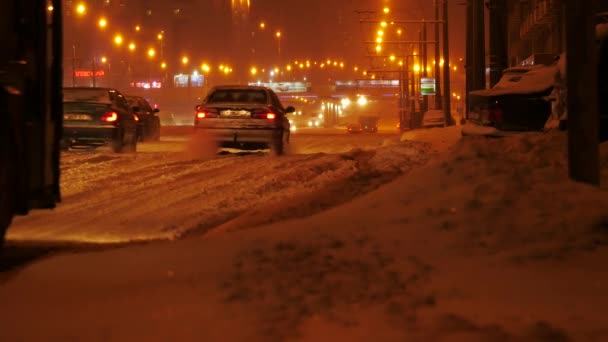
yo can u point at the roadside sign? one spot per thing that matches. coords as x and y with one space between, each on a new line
427 86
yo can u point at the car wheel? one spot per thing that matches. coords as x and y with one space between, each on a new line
118 143
278 145
157 130
141 134
131 147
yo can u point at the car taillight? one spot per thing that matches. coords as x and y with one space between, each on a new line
264 114
109 117
495 115
206 113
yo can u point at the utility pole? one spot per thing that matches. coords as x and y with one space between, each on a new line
498 40
475 54
437 72
94 71
478 45
446 66
425 98
582 101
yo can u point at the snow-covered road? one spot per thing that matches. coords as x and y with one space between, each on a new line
180 186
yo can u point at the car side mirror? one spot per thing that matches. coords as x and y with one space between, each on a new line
289 109
135 109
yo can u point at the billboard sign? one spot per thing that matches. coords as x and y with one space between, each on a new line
427 86
284 87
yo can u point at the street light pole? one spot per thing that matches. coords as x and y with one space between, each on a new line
438 104
446 66
73 64
278 34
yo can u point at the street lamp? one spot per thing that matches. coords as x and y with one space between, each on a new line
278 35
104 60
118 40
81 9
103 23
161 37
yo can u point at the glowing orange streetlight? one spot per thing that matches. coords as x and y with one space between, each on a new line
103 23
118 39
151 52
132 47
262 25
81 9
137 28
185 60
278 34
386 10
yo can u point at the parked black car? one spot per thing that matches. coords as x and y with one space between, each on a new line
244 117
518 102
148 126
96 117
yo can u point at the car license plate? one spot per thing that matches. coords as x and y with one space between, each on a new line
236 113
77 117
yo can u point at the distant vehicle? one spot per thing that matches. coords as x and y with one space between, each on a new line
245 117
96 117
433 118
369 124
355 128
517 103
148 126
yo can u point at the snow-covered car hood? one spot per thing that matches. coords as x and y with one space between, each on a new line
523 80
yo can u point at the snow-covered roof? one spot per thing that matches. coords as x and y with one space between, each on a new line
522 80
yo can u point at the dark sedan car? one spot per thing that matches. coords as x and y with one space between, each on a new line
96 117
517 103
148 126
244 117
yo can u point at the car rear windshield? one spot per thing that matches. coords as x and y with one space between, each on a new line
86 95
238 96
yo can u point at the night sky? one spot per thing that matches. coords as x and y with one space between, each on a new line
315 29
